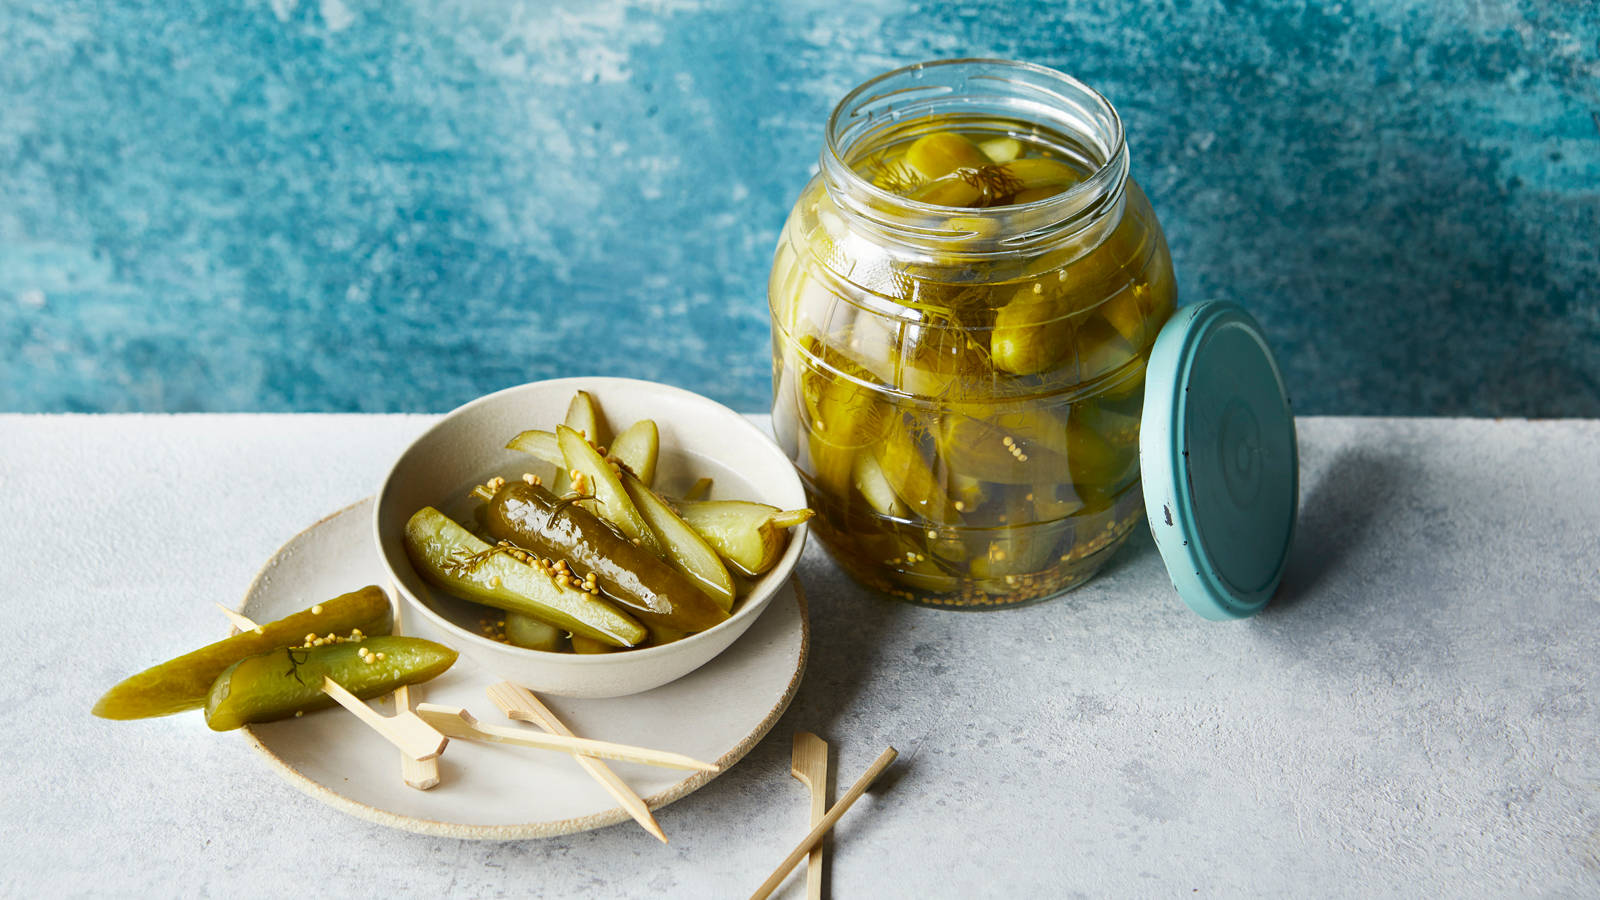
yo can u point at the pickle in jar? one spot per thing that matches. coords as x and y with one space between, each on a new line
965 414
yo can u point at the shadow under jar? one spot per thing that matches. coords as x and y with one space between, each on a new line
963 303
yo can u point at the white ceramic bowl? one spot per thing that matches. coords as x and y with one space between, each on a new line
699 437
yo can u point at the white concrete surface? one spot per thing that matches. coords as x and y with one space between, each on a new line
1417 714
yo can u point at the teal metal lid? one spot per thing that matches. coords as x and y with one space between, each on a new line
1218 460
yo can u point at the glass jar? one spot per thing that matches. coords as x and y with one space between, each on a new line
963 303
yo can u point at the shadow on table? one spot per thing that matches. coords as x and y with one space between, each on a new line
1335 518
848 623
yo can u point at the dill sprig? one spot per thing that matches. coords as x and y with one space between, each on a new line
462 565
294 664
899 178
995 184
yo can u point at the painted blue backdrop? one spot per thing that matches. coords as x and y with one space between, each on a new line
363 205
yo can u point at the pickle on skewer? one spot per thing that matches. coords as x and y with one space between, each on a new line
452 559
181 684
532 518
288 680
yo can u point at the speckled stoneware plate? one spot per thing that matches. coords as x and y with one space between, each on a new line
492 792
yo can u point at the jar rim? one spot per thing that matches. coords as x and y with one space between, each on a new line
1108 177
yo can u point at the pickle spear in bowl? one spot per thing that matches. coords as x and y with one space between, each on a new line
551 515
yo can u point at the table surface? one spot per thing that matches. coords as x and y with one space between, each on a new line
1415 714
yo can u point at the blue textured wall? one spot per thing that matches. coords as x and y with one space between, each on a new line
346 205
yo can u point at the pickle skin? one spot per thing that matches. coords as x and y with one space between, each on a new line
749 535
278 684
686 550
637 448
1031 334
532 633
654 592
843 417
610 499
1009 448
937 155
1001 150
584 418
907 471
433 542
870 481
584 646
182 684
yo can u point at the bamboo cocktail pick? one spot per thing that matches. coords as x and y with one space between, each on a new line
415 738
520 704
839 809
810 766
239 620
456 722
421 774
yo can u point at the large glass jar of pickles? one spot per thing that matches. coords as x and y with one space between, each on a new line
963 302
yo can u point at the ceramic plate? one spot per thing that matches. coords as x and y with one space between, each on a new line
489 791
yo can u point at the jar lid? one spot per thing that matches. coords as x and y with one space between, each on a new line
1218 459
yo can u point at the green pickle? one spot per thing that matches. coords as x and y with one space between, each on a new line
452 559
964 414
288 680
535 634
652 590
182 684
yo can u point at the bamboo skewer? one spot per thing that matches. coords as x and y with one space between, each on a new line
458 723
810 766
239 620
520 704
816 834
415 738
421 774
